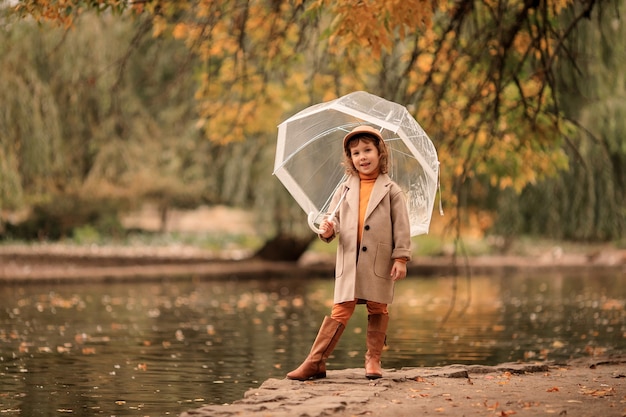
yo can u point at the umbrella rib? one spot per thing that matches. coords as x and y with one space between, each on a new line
307 143
366 117
420 158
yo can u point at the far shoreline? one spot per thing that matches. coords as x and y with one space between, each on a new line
66 263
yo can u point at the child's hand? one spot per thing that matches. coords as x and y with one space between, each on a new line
327 228
398 271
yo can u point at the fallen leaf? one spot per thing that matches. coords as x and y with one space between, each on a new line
491 407
613 304
598 392
553 389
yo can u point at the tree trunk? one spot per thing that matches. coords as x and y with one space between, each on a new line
284 247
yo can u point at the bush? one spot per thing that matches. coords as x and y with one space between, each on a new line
69 216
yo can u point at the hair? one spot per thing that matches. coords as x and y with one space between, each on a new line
383 152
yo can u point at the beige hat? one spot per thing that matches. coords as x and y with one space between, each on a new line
362 130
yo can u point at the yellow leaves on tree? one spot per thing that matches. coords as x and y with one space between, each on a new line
241 46
64 12
508 153
469 72
61 11
456 92
368 23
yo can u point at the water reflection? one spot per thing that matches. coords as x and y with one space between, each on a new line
160 349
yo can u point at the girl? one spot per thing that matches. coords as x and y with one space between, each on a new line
374 246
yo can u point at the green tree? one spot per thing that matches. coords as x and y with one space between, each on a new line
587 201
86 120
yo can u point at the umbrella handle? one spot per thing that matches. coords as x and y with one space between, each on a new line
310 220
312 215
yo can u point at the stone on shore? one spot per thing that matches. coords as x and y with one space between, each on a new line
583 388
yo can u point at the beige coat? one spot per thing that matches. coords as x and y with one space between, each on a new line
386 236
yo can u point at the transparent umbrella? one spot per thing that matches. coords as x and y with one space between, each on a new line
309 154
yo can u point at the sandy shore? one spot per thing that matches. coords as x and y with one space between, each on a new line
583 388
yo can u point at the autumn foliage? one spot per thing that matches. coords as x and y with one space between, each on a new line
478 75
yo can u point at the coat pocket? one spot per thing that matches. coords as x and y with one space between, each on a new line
382 262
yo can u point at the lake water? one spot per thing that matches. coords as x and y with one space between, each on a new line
154 349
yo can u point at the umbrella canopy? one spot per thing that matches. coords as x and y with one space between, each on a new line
309 152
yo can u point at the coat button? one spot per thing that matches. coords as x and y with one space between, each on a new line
364 249
367 227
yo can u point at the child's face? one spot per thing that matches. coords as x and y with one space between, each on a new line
365 156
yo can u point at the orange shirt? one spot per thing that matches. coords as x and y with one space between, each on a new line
367 185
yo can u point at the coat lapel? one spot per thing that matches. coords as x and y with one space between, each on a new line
352 198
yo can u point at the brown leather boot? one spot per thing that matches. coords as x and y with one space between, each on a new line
314 366
376 336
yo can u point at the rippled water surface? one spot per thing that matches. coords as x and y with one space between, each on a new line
153 349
